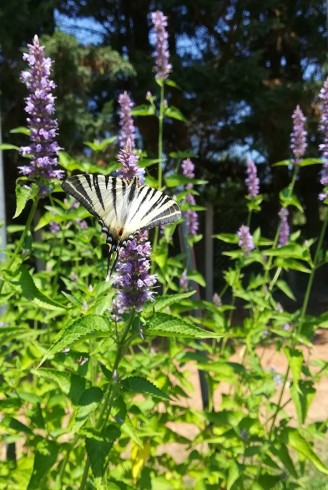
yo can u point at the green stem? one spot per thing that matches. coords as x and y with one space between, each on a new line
22 239
160 158
108 399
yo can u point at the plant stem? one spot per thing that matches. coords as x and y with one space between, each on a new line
108 399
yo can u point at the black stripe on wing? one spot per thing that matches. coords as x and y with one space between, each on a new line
161 210
78 187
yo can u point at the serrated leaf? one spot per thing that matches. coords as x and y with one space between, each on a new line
196 277
163 302
69 383
45 457
137 384
23 194
31 292
98 447
288 199
170 326
100 145
227 237
174 113
295 440
88 402
79 330
174 180
281 452
283 286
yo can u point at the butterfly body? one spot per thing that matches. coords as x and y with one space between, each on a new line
122 208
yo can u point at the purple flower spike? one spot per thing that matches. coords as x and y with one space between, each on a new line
163 67
298 137
40 108
284 226
245 239
126 121
191 217
323 96
132 279
129 162
252 182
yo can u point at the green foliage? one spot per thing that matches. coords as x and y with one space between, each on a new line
90 400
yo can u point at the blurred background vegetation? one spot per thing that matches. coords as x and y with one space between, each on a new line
242 66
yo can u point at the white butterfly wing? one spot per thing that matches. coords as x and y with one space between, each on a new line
124 208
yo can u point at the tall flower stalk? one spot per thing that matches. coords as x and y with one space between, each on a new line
132 279
40 107
298 137
191 216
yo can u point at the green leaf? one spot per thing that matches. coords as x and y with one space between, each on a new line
16 425
31 292
288 199
281 452
78 331
174 113
98 447
295 361
143 110
137 384
295 440
227 237
69 383
163 302
174 180
290 264
23 194
310 161
7 146
45 457
196 277
233 474
283 286
87 404
282 163
100 145
170 326
21 130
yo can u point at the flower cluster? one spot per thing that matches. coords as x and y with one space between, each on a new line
192 224
129 162
323 96
284 226
133 279
127 129
298 137
252 182
245 239
43 127
163 67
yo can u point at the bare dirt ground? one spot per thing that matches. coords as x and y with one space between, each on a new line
271 360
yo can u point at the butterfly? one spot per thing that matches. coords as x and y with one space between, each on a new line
122 208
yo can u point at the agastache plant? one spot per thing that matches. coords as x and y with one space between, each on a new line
252 181
161 54
43 148
132 279
298 137
323 96
191 217
284 227
245 239
127 131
